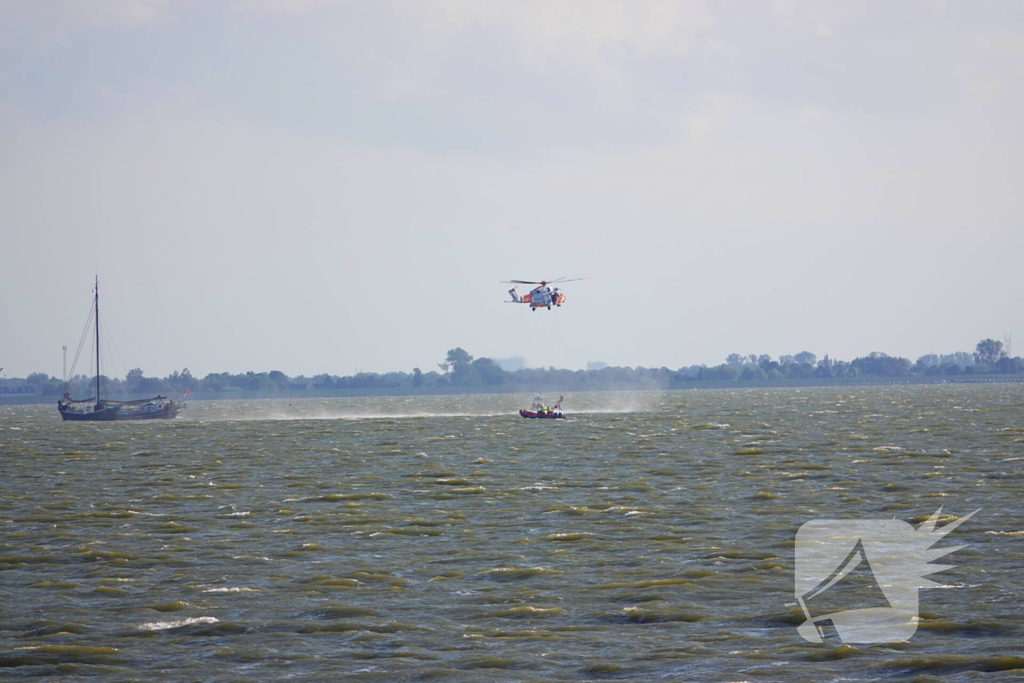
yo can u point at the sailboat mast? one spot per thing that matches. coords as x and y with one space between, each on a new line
97 303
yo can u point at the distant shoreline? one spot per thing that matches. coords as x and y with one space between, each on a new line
14 399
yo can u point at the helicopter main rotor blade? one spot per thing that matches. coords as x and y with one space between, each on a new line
567 279
543 282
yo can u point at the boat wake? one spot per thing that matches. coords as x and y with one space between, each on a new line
386 416
406 408
285 417
378 416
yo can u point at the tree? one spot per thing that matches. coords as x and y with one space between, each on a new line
882 364
252 381
417 377
279 379
1009 366
80 385
489 371
752 372
989 351
133 381
798 370
323 381
960 358
433 379
180 381
53 387
735 360
806 357
690 373
37 380
464 375
720 372
456 357
216 381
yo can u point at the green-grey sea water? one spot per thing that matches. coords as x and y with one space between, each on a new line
649 537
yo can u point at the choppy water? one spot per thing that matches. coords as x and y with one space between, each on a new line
648 538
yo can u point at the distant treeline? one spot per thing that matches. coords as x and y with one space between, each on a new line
460 369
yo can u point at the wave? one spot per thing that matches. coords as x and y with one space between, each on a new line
166 625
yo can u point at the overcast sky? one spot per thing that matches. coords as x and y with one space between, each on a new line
333 186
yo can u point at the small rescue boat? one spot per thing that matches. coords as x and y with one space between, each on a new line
542 415
540 411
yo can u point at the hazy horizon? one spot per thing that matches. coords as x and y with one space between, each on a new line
86 367
321 186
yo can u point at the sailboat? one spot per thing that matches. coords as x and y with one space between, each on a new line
96 409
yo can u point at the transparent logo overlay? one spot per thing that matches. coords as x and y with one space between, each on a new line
858 579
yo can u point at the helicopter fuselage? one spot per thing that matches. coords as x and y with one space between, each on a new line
542 296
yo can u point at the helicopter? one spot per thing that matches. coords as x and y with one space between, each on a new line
540 296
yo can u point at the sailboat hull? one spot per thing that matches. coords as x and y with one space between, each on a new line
117 413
